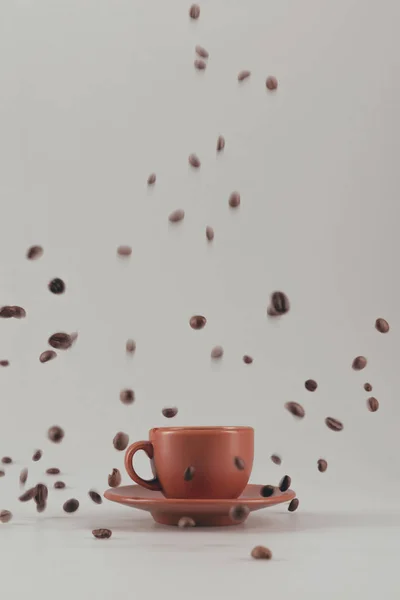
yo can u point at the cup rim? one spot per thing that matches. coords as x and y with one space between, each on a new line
203 429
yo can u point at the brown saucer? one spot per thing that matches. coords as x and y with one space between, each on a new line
204 512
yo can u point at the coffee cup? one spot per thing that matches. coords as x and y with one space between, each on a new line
196 462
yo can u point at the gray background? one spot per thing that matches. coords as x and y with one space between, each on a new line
96 95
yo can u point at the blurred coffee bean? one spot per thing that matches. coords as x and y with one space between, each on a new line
37 455
4 363
194 11
200 65
267 491
239 463
124 251
121 441
276 459
261 552
97 499
114 479
102 534
177 215
220 143
40 497
197 322
382 325
53 471
61 341
247 359
242 75
333 424
71 505
6 460
234 200
23 476
169 412
5 516
28 495
294 505
311 385
279 303
209 233
127 396
55 434
285 483
34 252
239 513
271 83
151 179
193 158
359 363
201 52
59 485
130 346
47 355
295 409
57 286
185 522
367 387
322 465
372 404
2 473
189 474
217 352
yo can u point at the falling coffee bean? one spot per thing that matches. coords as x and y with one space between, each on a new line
271 83
220 143
295 409
276 459
102 534
4 363
177 215
19 312
239 463
311 385
169 412
6 460
185 522
40 497
114 480
279 303
209 233
284 483
200 65
261 552
151 179
359 363
367 387
247 359
97 499
197 322
322 465
2 473
294 505
55 434
6 312
333 424
34 252
121 441
239 513
124 251
57 286
267 491
127 396
59 485
71 506
234 200
194 11
189 474
47 355
372 404
23 476
382 325
53 471
193 158
242 75
130 346
217 352
28 495
37 455
61 341
5 516
201 52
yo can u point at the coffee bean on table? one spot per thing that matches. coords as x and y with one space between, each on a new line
194 11
242 75
285 483
200 65
367 387
127 396
130 346
57 286
311 385
5 516
23 476
239 463
209 233
102 534
201 52
239 513
121 441
294 505
177 215
295 409
55 434
234 200
217 352
151 179
279 304
185 522
71 505
4 363
114 479
61 340
271 83
47 355
189 474
267 491
6 460
372 404
322 465
34 252
197 322
37 455
261 552
247 359
53 471
28 495
220 143
359 363
169 412
193 158
382 325
276 459
59 485
333 424
97 499
124 251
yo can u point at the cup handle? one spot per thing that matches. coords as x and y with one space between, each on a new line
150 484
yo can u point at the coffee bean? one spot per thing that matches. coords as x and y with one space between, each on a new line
47 355
189 474
197 322
322 465
294 505
279 303
311 385
97 499
220 143
28 495
114 480
151 179
382 325
34 252
23 476
6 460
372 404
295 409
185 522
124 251
201 52
333 424
239 513
209 233
271 83
359 363
276 459
285 483
261 552
53 471
102 534
194 11
200 65
130 346
61 341
247 359
5 516
19 312
37 455
127 396
6 312
217 352
242 75
55 434
193 158
267 490
121 441
2 473
71 505
239 463
234 200
59 485
367 387
4 363
40 497
57 286
177 215
169 412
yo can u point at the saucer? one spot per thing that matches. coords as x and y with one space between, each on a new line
204 512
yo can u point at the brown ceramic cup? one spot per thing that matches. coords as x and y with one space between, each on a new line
196 462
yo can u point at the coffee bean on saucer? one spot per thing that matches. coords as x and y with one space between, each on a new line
276 459
5 516
367 387
40 497
261 552
294 505
34 252
53 471
169 412
382 325
295 409
234 200
194 160
217 352
279 304
59 485
267 490
71 505
114 479
322 465
47 355
55 434
359 363
102 534
61 341
124 251
23 476
127 396
239 463
37 455
2 473
189 474
121 441
194 11
97 499
185 522
284 483
209 233
6 460
4 363
57 286
311 385
28 495
197 322
239 513
130 346
333 424
201 52
220 143
242 75
151 179
177 215
247 359
372 404
271 83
